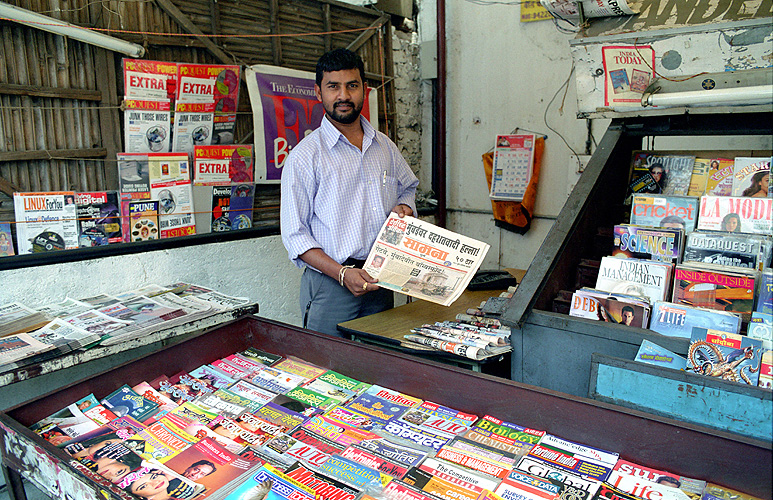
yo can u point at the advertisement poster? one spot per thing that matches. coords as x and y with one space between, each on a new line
628 70
285 109
532 10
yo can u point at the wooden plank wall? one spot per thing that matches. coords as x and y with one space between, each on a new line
59 116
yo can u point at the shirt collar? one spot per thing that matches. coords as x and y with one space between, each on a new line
332 135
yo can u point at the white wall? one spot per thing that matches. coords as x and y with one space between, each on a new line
254 268
501 75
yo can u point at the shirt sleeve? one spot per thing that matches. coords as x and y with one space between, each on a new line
296 207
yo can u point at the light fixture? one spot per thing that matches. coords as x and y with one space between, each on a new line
63 28
759 94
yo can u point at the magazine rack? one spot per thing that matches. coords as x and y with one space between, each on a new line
597 202
689 450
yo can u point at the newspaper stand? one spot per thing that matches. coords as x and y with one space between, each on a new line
686 449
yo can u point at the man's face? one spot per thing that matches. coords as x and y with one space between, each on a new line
627 317
342 94
198 471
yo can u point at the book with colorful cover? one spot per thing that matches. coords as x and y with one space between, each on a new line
678 320
310 399
153 479
210 465
636 485
113 461
386 466
268 483
761 326
312 438
766 370
263 357
720 181
729 249
642 242
45 222
765 297
579 482
299 367
276 380
6 240
641 278
287 450
337 386
736 214
751 176
143 220
524 486
394 451
133 180
723 288
212 376
575 457
324 486
350 472
99 218
699 178
609 307
503 435
381 404
124 401
653 354
159 442
693 487
654 172
665 211
222 165
339 430
251 391
725 355
439 486
225 402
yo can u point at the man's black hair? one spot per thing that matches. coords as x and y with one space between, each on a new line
337 60
628 308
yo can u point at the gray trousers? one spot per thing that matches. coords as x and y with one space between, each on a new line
325 303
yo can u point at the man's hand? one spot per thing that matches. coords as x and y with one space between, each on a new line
402 210
359 282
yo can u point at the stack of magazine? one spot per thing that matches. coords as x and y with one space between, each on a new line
256 425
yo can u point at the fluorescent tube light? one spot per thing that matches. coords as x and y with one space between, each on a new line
63 28
759 94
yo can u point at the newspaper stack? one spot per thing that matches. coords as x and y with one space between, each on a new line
422 260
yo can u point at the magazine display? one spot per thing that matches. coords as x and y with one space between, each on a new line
736 214
678 320
725 355
422 260
642 278
653 354
665 211
45 221
99 218
627 310
641 242
751 176
720 180
723 288
729 249
661 174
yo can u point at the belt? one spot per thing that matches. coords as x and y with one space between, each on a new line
354 262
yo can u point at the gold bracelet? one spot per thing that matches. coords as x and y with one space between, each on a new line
341 273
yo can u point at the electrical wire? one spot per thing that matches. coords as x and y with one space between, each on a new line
565 86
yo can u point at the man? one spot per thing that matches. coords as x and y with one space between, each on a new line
627 315
198 470
339 185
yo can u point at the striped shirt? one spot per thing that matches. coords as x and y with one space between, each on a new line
336 197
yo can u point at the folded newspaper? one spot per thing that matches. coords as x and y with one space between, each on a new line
422 260
591 8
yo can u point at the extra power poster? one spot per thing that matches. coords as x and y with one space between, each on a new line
628 71
285 109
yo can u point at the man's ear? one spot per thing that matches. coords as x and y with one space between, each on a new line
318 91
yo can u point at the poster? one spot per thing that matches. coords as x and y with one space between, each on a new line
628 70
285 109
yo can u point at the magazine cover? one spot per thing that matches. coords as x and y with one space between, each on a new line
761 326
751 176
99 218
693 487
715 287
765 298
268 483
223 165
145 79
45 222
125 402
240 209
700 176
133 176
720 180
729 249
766 370
678 320
154 480
380 404
642 242
661 173
147 125
653 354
170 184
665 211
736 214
193 125
6 241
641 278
143 216
586 486
609 307
725 355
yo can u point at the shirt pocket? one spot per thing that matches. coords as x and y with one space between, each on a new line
389 192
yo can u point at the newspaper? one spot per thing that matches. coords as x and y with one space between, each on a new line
422 260
467 351
590 8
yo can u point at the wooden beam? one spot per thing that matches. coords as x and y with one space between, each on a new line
328 26
183 20
109 116
276 43
214 17
8 187
47 154
58 93
373 29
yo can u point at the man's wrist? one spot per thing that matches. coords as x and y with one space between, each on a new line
342 273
